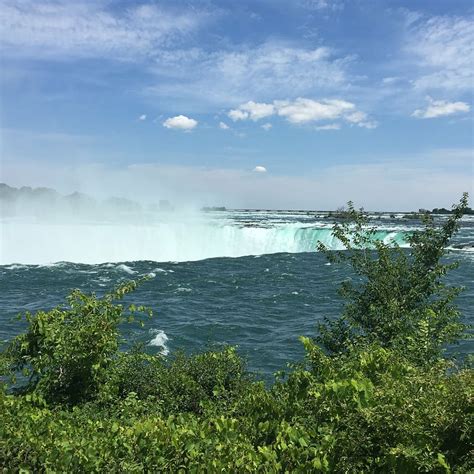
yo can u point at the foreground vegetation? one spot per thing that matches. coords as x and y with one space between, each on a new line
374 393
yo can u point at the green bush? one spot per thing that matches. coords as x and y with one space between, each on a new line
399 299
376 396
67 352
180 384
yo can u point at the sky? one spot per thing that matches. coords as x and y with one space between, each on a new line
250 104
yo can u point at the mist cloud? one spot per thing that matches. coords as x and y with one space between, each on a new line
444 175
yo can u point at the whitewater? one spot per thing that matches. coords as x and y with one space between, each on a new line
179 238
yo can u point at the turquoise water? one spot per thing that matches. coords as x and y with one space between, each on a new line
261 303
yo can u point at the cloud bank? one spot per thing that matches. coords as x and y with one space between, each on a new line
64 29
243 73
443 47
303 110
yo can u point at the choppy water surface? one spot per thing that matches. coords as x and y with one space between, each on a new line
261 301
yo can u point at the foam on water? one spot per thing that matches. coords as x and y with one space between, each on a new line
162 270
61 263
16 267
125 268
159 340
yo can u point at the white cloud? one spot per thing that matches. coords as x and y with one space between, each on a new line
64 29
267 126
361 119
260 169
303 110
180 122
158 37
252 110
356 117
444 50
390 80
142 117
370 124
223 126
322 4
329 126
245 73
237 114
315 4
440 108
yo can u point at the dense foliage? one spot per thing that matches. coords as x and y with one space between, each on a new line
376 396
399 300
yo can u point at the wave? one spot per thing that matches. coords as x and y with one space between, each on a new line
125 268
162 242
159 340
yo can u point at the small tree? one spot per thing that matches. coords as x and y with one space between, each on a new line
400 300
67 351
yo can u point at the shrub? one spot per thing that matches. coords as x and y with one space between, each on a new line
179 384
66 352
399 299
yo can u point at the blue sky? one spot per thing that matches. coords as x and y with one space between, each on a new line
263 103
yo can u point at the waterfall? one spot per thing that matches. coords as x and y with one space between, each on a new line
39 243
